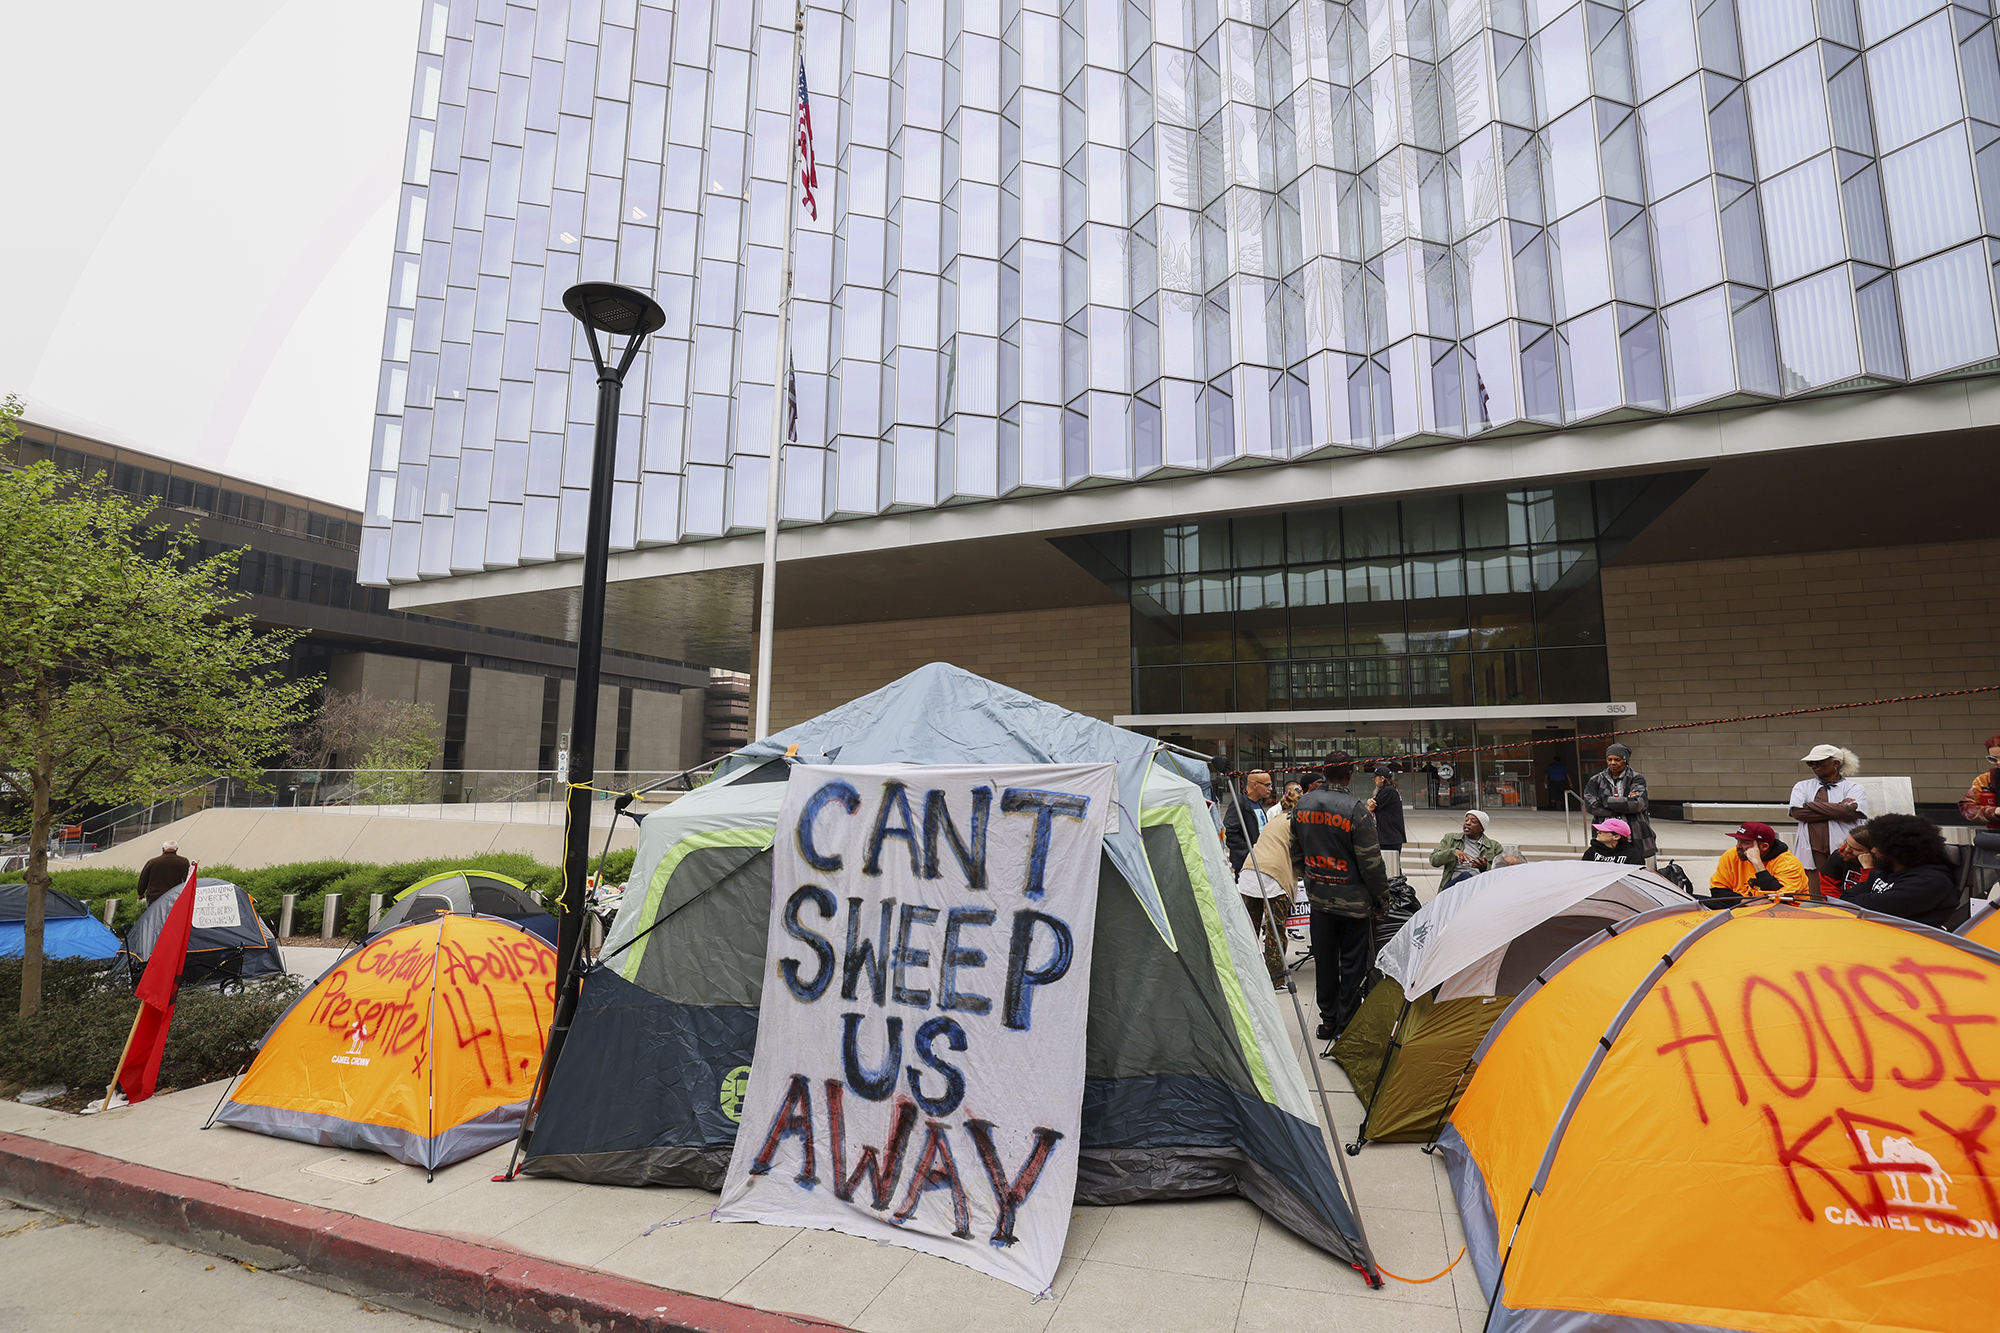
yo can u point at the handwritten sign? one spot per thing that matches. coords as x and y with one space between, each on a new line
919 1068
215 907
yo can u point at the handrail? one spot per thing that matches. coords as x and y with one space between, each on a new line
1568 796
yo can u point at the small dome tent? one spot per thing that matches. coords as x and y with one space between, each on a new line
465 893
422 1044
68 928
1451 970
1808 1084
1191 1088
229 939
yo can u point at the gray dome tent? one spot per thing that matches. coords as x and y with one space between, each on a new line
235 944
465 893
1191 1087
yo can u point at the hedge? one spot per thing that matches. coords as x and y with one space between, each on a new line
313 880
86 1014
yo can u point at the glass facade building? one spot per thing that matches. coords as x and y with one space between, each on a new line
1065 243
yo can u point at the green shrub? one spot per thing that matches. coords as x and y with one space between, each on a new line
617 866
87 1013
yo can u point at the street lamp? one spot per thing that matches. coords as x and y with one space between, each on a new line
607 308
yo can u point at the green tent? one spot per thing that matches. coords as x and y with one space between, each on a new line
1191 1087
1463 956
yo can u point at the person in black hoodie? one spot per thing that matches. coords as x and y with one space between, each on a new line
1912 878
1613 842
1387 807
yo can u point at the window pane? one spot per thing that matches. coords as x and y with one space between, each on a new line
1440 680
1773 29
1157 690
1437 603
1663 34
1575 675
1930 195
1312 537
1376 682
1687 243
1156 632
1502 606
1569 598
1430 523
1914 82
1319 624
1788 113
1698 361
1802 220
1816 332
1371 530
1319 684
1205 622
1260 616
1505 678
1947 311
1588 348
1208 689
1375 604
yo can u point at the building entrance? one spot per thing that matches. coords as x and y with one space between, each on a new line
1541 761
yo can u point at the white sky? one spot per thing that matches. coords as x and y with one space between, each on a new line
194 256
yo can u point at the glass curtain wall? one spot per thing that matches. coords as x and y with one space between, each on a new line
1489 598
1064 243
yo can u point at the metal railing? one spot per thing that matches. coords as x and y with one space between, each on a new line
506 795
1569 834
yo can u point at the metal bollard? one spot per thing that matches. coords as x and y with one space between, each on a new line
329 919
596 933
285 906
110 911
374 910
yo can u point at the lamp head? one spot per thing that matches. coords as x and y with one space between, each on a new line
610 308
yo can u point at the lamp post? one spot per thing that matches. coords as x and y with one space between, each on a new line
601 307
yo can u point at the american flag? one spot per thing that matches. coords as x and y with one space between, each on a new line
809 175
791 403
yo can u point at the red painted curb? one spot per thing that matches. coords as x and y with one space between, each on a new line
488 1283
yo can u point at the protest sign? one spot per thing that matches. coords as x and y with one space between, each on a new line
918 1076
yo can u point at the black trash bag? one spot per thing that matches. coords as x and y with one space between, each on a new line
1403 905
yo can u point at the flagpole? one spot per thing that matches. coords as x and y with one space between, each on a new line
767 614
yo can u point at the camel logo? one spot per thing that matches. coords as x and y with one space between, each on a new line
357 1036
1900 1159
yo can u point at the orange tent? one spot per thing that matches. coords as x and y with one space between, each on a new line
423 1044
1777 1118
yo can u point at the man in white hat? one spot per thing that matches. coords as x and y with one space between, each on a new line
1468 852
1829 805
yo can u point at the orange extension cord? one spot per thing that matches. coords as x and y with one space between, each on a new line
1419 1281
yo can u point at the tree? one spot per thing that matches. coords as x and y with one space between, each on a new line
120 675
349 730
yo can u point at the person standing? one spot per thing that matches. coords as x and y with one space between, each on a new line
1760 867
162 874
1387 807
1621 791
1612 841
1981 803
1557 776
1829 805
1265 883
1337 852
1243 819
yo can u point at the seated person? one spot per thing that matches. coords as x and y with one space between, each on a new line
1912 878
1612 841
1467 852
1760 867
1848 866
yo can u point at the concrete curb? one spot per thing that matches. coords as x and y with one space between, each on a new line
393 1265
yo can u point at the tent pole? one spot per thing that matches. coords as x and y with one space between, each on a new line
1449 1103
225 1096
1381 1077
1326 1109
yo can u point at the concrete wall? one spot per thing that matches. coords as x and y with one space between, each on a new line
503 723
253 839
1762 634
503 720
1079 657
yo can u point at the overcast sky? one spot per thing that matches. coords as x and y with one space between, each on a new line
195 253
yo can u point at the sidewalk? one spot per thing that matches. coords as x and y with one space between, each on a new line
1199 1266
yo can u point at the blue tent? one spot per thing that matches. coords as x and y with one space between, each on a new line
68 928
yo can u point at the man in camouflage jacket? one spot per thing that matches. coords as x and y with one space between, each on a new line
1336 851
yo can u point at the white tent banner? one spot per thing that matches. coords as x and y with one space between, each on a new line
919 1068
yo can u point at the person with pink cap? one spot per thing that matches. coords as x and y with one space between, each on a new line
1612 841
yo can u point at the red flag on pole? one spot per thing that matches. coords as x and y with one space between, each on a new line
139 1070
